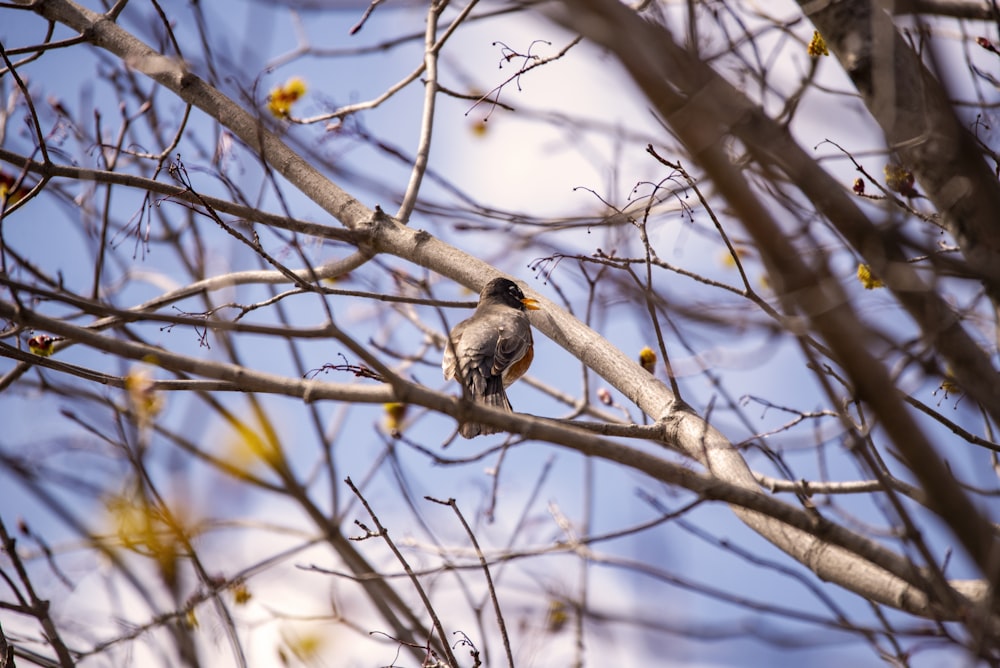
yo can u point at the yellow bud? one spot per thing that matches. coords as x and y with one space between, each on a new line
394 414
479 128
281 99
8 191
948 384
241 593
145 400
306 646
868 280
729 259
817 46
900 180
647 358
557 616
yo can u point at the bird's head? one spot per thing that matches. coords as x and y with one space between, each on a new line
506 291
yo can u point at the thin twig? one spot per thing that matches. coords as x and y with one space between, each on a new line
486 571
383 533
37 608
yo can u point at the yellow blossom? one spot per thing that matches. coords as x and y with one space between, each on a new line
7 190
394 414
557 616
869 280
147 529
817 46
246 446
281 99
949 386
241 593
479 128
647 358
900 180
306 646
146 402
730 258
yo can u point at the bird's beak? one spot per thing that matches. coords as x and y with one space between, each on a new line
530 304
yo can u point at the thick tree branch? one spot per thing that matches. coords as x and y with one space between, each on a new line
914 111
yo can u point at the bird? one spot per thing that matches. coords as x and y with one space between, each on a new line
491 349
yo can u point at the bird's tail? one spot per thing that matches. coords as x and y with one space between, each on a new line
495 397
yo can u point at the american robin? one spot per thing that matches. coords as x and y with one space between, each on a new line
491 349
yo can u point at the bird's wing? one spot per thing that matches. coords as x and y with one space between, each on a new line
513 341
486 345
469 358
449 361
